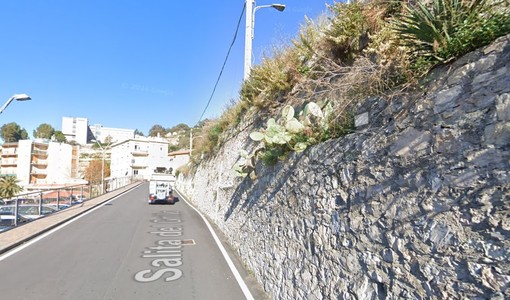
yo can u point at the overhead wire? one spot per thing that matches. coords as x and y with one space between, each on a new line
224 63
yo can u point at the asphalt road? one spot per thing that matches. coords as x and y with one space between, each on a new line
125 249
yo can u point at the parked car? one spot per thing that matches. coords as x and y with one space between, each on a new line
7 219
30 211
80 198
61 206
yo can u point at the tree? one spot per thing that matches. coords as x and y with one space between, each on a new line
138 132
24 134
44 131
12 133
179 128
157 129
108 140
184 141
60 137
9 186
93 171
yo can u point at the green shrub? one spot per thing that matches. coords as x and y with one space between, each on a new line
208 136
270 81
447 29
347 26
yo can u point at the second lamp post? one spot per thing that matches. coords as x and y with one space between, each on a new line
249 34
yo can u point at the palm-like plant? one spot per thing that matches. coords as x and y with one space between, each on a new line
9 186
446 29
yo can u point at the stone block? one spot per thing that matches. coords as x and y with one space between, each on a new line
389 255
445 99
485 63
498 134
487 79
503 107
410 142
484 157
361 120
460 74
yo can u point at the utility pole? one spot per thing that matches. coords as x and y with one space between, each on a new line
248 38
251 9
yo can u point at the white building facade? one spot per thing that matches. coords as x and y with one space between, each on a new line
103 134
139 157
38 162
76 129
178 159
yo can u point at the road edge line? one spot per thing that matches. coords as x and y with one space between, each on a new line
230 263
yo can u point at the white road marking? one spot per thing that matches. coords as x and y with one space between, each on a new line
233 268
42 236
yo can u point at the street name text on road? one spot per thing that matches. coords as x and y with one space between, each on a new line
167 254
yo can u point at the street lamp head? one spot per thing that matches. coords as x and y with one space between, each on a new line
18 97
21 97
279 7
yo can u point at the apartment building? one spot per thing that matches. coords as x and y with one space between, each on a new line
103 134
178 159
37 163
140 157
76 129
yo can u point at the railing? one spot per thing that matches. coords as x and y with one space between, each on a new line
34 205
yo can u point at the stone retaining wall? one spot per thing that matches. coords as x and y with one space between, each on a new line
414 205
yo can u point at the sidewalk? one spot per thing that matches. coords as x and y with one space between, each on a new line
21 234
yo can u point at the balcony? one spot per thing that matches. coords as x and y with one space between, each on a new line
39 173
140 153
38 146
9 154
138 166
40 163
9 163
39 153
10 145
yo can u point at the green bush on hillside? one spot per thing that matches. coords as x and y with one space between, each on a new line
447 29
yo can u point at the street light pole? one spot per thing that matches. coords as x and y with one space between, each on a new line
102 162
102 173
250 29
248 38
18 97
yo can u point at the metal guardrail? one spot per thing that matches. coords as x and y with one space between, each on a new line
30 206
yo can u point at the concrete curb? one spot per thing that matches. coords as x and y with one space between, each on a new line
19 235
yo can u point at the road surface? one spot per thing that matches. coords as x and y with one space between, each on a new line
124 249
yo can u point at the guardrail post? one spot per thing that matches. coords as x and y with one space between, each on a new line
40 203
16 207
58 199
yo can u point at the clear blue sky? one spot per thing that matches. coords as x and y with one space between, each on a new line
131 63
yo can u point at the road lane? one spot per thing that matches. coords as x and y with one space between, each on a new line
126 249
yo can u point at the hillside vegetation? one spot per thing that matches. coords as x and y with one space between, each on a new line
307 92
